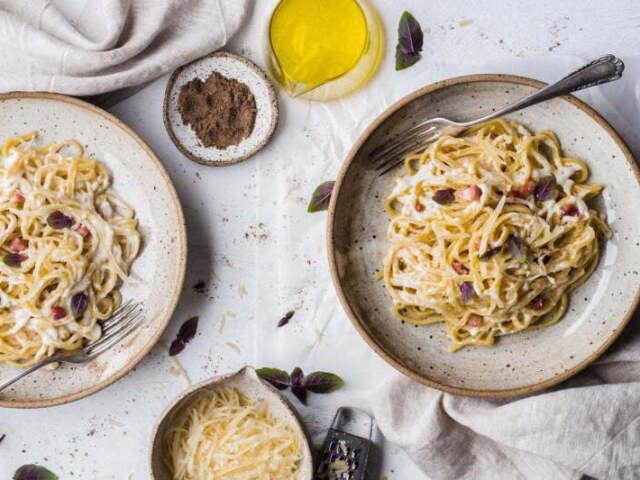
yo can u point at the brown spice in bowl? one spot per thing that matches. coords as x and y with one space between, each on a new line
221 111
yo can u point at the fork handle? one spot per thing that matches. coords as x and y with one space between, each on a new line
26 372
603 70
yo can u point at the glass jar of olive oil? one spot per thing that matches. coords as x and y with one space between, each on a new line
324 49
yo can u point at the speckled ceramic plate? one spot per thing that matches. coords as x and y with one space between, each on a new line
157 274
520 363
230 66
247 382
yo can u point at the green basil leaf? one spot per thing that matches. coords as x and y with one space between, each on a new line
322 382
545 189
185 334
444 196
34 472
518 248
410 40
59 220
284 320
490 253
276 377
321 197
466 291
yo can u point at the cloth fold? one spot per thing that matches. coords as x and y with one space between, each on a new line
588 425
113 44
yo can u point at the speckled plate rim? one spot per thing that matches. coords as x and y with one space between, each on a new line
217 380
161 323
361 328
273 101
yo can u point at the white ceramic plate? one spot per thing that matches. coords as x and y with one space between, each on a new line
519 363
156 275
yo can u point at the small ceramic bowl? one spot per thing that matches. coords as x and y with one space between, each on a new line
246 380
230 66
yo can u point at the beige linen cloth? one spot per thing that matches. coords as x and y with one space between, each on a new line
589 425
113 44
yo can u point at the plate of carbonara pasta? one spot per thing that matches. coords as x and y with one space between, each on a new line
81 231
496 262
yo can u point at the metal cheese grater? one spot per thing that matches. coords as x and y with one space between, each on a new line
345 450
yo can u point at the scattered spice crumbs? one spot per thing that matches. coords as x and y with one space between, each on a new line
465 22
257 232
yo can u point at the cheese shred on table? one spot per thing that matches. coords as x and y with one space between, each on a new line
223 435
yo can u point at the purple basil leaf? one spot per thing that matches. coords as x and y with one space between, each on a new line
518 248
34 472
284 320
79 303
404 59
410 40
322 382
545 189
185 334
444 196
13 259
300 393
490 253
276 377
59 220
321 196
297 377
466 291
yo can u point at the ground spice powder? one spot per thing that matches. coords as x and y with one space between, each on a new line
221 111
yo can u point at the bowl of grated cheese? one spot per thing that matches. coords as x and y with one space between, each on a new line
234 427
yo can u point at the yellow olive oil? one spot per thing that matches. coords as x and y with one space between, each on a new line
315 42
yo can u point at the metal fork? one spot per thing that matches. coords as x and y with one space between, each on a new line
114 329
387 156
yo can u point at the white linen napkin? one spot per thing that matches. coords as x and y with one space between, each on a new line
588 425
114 44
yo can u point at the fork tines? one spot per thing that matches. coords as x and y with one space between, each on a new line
116 328
387 156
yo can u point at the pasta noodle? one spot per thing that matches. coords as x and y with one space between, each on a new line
225 436
490 232
67 244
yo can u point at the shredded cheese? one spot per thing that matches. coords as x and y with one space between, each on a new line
224 436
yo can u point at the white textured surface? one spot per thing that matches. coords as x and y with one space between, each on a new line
255 272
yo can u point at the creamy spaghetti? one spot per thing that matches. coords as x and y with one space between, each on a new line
67 243
490 232
223 435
